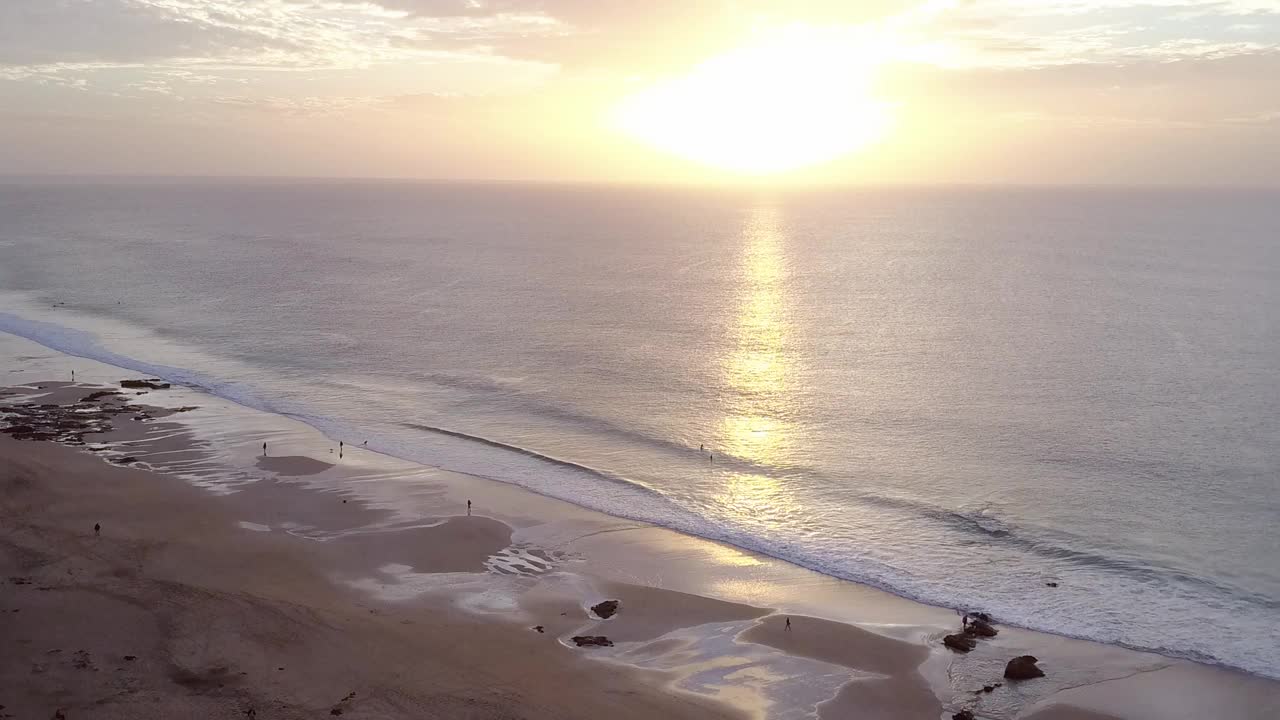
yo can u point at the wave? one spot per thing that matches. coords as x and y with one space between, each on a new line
541 457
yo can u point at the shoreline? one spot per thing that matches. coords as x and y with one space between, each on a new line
74 340
574 541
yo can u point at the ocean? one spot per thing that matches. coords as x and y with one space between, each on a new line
960 395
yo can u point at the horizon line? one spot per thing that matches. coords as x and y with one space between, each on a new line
744 184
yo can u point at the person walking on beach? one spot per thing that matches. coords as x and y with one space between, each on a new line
468 508
97 529
788 624
339 448
701 448
264 449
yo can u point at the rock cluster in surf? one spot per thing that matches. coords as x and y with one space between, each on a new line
973 627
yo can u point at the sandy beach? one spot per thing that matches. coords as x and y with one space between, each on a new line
314 581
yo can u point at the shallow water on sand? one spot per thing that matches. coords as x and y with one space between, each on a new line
957 395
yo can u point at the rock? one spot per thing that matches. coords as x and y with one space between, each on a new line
1023 667
963 715
152 384
960 643
979 628
124 460
606 609
539 628
592 641
1051 584
130 658
98 395
981 616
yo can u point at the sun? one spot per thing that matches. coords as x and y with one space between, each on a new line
801 98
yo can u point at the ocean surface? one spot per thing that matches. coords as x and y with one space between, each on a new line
958 395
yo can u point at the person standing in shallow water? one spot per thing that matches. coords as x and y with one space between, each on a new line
264 449
468 508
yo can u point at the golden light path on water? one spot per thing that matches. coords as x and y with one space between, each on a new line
759 372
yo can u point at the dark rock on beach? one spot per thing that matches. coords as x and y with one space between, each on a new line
963 715
606 609
959 642
592 641
152 384
1023 667
979 628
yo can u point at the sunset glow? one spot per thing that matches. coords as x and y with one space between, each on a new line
800 99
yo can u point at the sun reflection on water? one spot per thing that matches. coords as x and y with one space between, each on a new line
758 373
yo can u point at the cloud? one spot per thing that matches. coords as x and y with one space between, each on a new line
44 32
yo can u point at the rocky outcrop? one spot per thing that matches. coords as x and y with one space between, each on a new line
1023 667
963 715
960 642
606 609
979 628
151 384
592 641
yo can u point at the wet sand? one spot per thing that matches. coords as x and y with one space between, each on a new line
363 573
175 611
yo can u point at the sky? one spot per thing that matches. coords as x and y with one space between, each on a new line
804 91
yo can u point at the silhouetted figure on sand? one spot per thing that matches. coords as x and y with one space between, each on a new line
97 529
264 449
339 448
701 448
788 624
468 508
